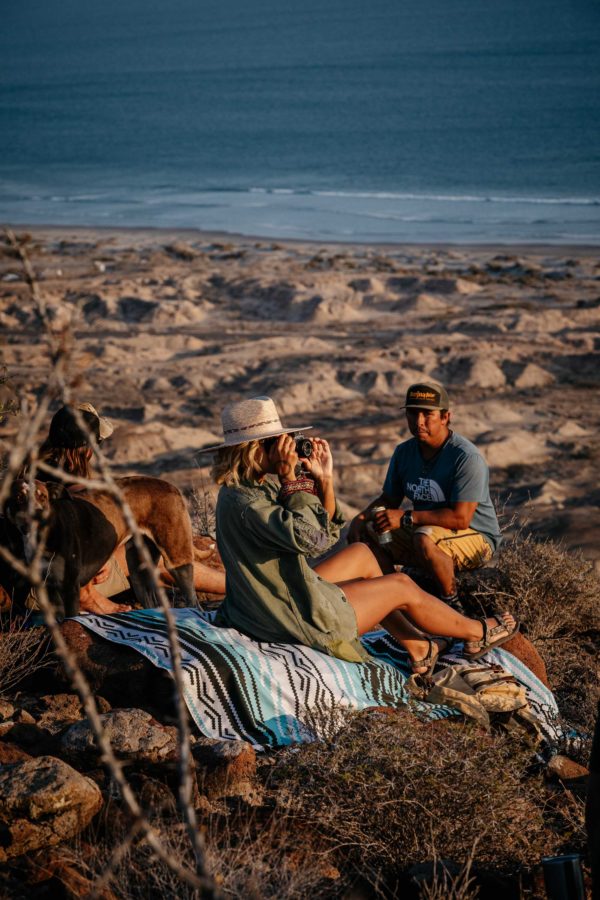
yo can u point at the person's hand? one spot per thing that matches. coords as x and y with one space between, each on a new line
357 530
283 458
320 464
387 520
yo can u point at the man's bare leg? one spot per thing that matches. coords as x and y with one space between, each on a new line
436 563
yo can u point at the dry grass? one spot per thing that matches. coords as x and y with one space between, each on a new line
22 652
391 791
246 854
202 510
555 595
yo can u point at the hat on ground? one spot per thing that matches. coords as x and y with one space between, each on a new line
65 432
426 395
252 420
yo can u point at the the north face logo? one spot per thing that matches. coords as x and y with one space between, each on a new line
426 490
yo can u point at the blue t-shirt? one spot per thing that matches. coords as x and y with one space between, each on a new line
458 473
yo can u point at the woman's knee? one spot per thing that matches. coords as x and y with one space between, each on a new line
368 559
404 587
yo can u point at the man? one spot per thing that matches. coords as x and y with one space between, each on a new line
452 524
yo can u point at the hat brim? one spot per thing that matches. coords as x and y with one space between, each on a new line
233 442
420 406
105 428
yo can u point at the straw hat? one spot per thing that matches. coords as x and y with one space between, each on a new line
252 420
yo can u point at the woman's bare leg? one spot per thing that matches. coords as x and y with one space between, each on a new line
351 563
379 600
212 581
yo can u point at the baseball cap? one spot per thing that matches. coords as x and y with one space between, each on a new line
426 395
65 432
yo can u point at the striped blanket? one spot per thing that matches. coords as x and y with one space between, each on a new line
272 694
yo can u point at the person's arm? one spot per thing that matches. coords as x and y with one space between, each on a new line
456 516
357 530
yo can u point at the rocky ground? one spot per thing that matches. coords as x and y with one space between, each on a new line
169 327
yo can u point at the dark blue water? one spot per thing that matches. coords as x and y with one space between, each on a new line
414 120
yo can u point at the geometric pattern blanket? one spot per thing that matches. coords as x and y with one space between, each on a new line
271 694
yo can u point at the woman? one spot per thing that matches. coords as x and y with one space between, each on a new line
267 528
67 448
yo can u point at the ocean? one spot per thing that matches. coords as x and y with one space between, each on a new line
382 121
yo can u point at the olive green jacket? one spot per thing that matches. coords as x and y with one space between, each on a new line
271 592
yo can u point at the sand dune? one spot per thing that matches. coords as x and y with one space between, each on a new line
169 327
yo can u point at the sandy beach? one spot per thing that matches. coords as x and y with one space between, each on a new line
168 326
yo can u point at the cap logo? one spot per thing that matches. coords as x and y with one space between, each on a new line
422 395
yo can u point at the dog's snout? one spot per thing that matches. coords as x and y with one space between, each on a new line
22 492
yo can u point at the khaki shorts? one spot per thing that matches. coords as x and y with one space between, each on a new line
116 582
468 549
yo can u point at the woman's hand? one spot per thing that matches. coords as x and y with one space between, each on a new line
320 464
283 458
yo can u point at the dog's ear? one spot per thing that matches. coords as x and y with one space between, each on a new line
56 491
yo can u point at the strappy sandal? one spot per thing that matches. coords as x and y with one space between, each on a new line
429 662
492 637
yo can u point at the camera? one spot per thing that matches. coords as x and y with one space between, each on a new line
303 446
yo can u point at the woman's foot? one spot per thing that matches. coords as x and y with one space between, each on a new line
424 654
496 630
92 601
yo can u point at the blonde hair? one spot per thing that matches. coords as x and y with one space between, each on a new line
237 463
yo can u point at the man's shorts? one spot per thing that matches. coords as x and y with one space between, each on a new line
468 549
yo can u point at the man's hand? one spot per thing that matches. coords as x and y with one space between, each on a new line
387 520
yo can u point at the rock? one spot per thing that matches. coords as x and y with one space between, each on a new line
533 376
7 710
133 733
120 674
53 864
523 649
485 373
522 448
180 250
565 769
552 493
31 737
56 711
226 769
10 753
136 310
42 803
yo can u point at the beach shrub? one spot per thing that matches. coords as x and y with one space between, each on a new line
554 594
390 791
22 652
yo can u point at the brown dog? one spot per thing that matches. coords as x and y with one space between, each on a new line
161 513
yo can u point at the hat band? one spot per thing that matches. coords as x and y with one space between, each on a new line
251 427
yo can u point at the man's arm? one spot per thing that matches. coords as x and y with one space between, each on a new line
357 526
456 516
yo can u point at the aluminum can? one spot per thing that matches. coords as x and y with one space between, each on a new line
384 537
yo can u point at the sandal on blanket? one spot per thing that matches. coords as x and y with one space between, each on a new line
492 637
429 662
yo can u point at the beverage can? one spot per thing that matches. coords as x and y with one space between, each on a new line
383 537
